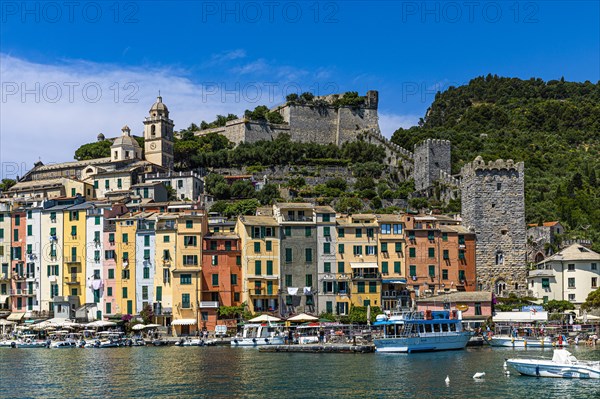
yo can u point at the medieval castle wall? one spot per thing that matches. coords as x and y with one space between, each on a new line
493 205
431 157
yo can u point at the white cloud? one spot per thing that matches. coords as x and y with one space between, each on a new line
389 123
48 111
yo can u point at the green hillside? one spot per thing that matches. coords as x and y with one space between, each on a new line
554 127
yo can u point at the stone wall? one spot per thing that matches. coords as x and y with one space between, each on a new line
431 157
493 205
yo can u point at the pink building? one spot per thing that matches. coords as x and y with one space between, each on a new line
476 305
109 266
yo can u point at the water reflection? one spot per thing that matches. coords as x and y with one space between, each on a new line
173 372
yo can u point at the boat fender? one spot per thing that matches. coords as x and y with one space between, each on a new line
267 340
254 340
525 342
235 340
512 340
13 345
28 341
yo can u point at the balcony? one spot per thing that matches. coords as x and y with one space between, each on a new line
209 304
365 276
75 259
72 280
541 273
22 292
297 218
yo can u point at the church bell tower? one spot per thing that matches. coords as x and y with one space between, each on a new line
158 135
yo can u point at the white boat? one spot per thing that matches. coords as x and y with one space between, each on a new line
191 342
259 335
519 342
413 332
562 365
24 344
63 344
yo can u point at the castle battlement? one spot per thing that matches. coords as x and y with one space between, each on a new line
479 164
447 178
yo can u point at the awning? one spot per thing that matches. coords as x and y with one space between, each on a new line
3 298
15 316
184 322
394 281
364 265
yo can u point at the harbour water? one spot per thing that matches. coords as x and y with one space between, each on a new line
223 372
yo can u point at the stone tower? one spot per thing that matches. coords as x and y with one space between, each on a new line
158 135
493 205
431 157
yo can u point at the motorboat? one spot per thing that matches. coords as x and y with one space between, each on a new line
63 344
191 342
255 334
562 365
517 337
422 331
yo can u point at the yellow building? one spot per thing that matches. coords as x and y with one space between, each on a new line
187 272
125 265
357 257
166 241
260 243
74 252
391 262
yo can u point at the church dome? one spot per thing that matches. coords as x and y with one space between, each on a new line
101 137
159 107
125 139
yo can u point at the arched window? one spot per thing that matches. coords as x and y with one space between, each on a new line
500 287
499 257
153 130
539 257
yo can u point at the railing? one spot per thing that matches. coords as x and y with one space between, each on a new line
209 304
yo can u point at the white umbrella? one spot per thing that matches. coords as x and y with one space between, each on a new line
264 317
4 322
303 317
153 326
138 327
101 323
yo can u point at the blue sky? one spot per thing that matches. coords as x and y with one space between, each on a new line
61 65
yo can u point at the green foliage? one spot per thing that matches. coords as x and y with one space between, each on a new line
274 117
242 189
349 99
558 306
593 300
296 182
364 183
219 207
337 183
358 314
7 184
243 207
349 204
268 194
259 113
171 193
234 312
220 121
147 314
368 169
327 316
98 149
554 127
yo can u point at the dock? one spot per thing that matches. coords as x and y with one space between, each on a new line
315 348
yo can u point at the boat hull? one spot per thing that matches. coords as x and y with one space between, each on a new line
423 343
257 341
550 369
519 342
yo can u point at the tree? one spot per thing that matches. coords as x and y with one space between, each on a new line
338 183
358 314
243 207
349 204
98 149
242 189
592 301
211 181
7 184
171 193
554 306
268 194
219 207
147 314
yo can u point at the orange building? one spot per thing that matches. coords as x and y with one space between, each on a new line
221 274
440 255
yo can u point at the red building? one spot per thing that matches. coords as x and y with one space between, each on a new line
439 256
18 255
221 272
